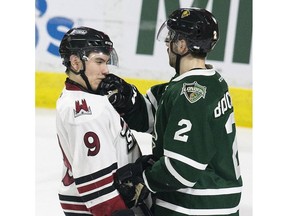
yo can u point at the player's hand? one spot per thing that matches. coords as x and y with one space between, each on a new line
133 170
128 181
122 95
127 191
133 191
145 161
141 192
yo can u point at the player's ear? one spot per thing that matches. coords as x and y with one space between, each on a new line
182 47
76 63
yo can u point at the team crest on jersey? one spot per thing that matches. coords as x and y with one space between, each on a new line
193 91
82 108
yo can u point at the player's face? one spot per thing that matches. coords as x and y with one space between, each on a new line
96 68
171 55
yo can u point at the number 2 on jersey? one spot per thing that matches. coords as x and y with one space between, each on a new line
229 129
180 134
187 126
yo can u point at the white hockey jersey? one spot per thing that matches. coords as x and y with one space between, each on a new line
95 141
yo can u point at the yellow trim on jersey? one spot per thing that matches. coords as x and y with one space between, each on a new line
48 87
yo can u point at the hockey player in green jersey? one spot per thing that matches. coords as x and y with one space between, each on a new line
191 119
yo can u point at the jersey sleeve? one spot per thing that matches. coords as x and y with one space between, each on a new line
142 117
138 117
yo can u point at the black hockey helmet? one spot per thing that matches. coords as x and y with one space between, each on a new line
83 40
197 26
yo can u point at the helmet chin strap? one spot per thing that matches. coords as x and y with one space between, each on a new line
83 75
178 58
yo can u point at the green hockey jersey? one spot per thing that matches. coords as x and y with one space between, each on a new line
194 137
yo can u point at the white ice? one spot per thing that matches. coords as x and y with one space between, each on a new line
49 165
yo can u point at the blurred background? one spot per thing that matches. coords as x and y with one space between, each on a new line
132 26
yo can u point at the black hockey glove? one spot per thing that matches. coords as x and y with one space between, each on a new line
129 182
145 161
122 95
133 192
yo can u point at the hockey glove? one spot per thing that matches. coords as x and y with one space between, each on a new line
133 192
125 180
141 192
129 182
145 161
122 95
133 170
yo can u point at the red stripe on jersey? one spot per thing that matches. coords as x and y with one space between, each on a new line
95 185
77 207
109 206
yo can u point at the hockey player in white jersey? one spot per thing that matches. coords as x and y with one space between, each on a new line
95 141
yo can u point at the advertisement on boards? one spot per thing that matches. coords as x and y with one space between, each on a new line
132 26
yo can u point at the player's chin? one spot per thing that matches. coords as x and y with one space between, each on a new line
95 85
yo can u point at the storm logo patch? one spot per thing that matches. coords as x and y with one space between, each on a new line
193 91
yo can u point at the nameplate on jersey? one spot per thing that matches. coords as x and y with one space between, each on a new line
193 91
128 135
81 108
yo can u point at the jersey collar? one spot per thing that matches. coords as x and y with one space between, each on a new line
196 72
73 86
